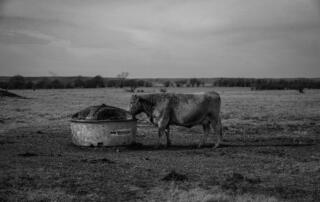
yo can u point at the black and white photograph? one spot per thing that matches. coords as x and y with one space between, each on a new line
160 100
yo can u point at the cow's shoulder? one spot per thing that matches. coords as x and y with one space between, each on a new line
155 98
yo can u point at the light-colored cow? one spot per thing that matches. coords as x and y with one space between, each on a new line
165 109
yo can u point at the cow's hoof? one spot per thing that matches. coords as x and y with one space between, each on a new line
216 146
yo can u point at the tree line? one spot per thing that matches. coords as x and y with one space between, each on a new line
193 82
269 84
254 84
20 82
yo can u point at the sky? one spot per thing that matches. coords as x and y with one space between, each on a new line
160 38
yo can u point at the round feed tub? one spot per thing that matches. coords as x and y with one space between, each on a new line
103 132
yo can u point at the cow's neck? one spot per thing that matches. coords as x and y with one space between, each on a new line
148 108
148 104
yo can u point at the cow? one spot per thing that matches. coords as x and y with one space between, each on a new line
165 109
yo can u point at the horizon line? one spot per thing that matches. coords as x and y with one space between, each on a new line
227 77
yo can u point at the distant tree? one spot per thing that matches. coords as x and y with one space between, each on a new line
4 85
56 84
181 83
195 82
167 84
95 82
132 83
43 84
17 82
98 81
69 85
147 84
113 83
79 82
29 85
122 77
89 83
202 83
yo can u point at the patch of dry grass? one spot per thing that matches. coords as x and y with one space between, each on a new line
272 136
177 193
240 106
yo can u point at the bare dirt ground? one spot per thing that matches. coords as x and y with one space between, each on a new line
271 151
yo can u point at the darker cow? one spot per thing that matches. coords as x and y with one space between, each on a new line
165 109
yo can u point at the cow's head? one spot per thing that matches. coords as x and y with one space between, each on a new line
135 105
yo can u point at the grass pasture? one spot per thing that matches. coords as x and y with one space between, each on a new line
271 151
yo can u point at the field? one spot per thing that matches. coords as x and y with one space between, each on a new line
271 151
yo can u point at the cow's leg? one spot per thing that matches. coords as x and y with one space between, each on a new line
161 131
218 130
163 125
206 130
168 136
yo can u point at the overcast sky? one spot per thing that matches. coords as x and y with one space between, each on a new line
163 38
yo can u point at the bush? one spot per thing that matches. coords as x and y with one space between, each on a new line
98 81
43 84
78 83
113 83
56 84
181 83
95 82
29 85
167 84
195 82
4 85
17 82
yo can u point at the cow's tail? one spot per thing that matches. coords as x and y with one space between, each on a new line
217 125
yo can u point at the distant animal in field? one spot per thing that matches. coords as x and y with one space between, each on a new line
165 109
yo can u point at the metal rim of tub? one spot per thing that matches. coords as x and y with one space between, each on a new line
101 121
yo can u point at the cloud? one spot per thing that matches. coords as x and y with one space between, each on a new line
161 38
22 38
